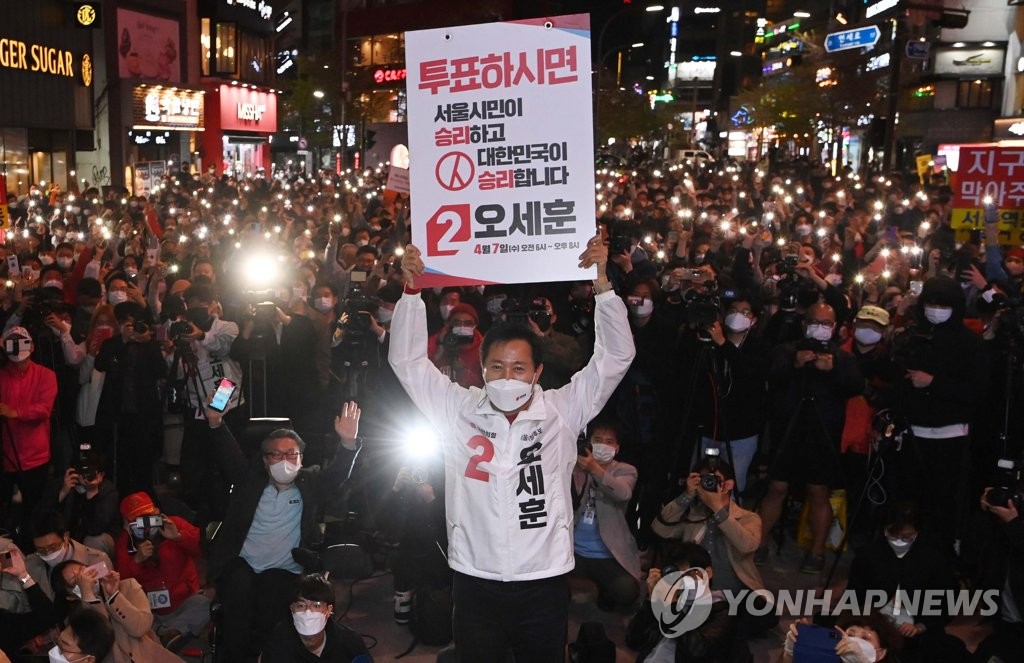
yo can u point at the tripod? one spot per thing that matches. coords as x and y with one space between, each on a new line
185 359
807 422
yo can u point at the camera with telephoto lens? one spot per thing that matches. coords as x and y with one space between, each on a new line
358 307
86 467
1007 486
179 328
517 310
539 314
710 481
702 308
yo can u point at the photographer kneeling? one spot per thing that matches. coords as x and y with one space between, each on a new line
159 552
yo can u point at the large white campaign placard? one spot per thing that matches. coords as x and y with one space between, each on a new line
501 150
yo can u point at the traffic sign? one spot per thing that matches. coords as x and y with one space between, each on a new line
856 38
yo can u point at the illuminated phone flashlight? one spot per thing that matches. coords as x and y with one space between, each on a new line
227 219
821 214
266 235
822 232
124 201
743 194
886 274
781 241
859 278
769 216
660 255
231 231
238 245
885 253
879 205
800 191
9 283
787 199
81 237
987 200
277 229
399 251
105 233
603 208
905 202
263 209
724 226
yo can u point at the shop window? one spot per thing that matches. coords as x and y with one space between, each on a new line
380 49
225 58
14 160
974 94
204 44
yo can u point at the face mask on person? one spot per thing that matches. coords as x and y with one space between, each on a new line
324 304
642 309
64 262
56 656
867 650
508 395
819 332
867 335
54 558
309 622
463 330
446 310
834 279
603 453
362 242
116 297
284 471
737 322
937 314
900 546
384 315
803 230
17 350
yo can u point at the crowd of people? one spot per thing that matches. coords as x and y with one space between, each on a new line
759 336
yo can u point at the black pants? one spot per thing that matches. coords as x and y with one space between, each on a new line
934 474
252 604
528 618
614 584
32 484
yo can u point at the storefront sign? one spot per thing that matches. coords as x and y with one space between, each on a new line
87 15
261 7
879 7
37 58
501 133
695 70
381 76
157 107
1008 128
969 62
148 47
246 109
86 70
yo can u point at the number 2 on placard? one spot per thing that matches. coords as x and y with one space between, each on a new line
447 229
484 454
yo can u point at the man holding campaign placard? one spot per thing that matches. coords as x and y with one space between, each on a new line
509 450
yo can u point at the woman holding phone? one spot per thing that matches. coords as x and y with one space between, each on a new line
78 587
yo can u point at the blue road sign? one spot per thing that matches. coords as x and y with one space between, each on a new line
918 50
856 38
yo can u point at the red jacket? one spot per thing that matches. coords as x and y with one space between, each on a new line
175 568
464 369
31 394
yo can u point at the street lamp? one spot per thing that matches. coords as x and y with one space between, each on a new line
319 94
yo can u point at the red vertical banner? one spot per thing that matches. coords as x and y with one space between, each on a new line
5 212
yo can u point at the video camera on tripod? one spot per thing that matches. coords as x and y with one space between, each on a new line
357 307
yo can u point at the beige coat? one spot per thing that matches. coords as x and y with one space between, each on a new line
614 491
12 596
742 529
129 614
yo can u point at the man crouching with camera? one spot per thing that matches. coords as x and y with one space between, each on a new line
706 514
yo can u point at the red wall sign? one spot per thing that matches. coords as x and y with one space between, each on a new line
381 76
244 109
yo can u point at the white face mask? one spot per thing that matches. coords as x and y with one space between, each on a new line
284 471
116 297
867 650
804 230
54 558
603 453
64 263
384 315
446 310
900 546
463 330
819 332
937 314
867 335
737 322
324 304
309 622
834 279
508 395
642 310
56 656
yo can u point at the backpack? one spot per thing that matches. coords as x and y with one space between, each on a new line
592 645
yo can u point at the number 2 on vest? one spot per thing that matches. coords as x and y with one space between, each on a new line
484 454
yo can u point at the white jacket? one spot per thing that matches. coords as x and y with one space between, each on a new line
507 486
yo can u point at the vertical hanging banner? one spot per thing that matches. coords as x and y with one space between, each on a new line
501 150
5 211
